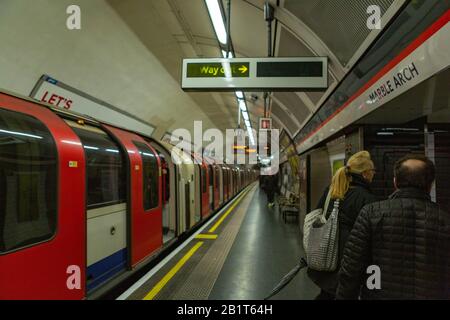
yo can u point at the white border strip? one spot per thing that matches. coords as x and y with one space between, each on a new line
160 265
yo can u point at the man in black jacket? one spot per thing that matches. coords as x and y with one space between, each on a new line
405 238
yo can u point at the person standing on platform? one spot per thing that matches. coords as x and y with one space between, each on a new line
404 241
350 184
262 182
271 188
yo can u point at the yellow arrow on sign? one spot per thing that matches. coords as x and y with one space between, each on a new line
243 69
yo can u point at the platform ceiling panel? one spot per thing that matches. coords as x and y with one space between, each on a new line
340 24
195 9
291 46
288 123
292 101
248 29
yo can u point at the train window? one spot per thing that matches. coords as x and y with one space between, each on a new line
28 181
211 177
224 178
105 172
217 177
203 180
150 174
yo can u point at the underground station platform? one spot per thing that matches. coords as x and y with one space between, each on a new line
240 254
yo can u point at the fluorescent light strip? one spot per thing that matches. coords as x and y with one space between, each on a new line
240 95
21 134
148 154
242 105
224 54
71 142
217 19
245 115
227 69
91 148
385 133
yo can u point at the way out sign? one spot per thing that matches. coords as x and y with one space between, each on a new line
255 74
218 70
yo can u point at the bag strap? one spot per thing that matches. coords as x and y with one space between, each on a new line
327 203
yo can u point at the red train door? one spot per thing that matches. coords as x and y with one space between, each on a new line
145 195
204 189
165 180
42 244
210 188
227 173
225 183
216 187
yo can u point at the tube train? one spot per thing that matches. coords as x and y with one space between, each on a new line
82 202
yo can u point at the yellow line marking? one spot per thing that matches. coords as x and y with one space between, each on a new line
206 236
160 285
227 213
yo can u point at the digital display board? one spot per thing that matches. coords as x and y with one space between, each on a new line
256 74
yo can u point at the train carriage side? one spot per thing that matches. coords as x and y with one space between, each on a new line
106 206
202 187
145 178
42 204
170 191
187 202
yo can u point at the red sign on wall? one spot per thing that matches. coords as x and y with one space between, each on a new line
265 123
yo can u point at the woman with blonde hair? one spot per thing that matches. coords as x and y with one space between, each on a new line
351 185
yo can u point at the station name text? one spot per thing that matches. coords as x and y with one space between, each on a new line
398 80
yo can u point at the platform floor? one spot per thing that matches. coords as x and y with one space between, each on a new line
241 254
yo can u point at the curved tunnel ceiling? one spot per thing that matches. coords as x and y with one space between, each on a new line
304 28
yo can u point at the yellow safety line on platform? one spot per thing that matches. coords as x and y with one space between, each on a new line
206 236
156 289
218 223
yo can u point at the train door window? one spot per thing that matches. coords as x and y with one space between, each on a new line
225 180
210 187
166 180
204 181
211 177
217 177
105 174
150 174
28 181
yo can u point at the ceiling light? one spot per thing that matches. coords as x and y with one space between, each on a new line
385 133
243 105
227 69
240 95
217 19
229 56
245 115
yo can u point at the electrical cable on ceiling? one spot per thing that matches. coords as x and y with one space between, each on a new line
268 17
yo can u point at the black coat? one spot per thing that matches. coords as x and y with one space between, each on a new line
408 238
355 199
